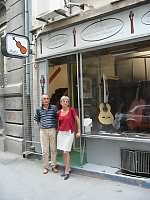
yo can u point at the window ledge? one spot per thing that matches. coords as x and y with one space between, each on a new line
120 138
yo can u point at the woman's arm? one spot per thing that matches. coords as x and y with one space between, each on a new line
78 125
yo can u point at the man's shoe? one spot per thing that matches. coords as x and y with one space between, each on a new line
66 176
54 169
45 171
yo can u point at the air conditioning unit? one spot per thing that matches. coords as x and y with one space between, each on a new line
47 9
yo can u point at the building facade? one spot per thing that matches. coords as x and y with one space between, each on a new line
99 57
13 88
97 54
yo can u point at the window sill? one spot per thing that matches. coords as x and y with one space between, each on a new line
117 137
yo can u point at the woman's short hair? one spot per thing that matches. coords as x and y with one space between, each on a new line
64 98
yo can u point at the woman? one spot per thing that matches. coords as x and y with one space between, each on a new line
66 128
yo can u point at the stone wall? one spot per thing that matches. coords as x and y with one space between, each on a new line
14 123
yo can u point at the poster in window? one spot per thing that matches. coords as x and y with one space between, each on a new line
87 88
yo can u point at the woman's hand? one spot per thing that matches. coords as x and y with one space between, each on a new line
78 134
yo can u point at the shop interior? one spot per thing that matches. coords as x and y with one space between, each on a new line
116 85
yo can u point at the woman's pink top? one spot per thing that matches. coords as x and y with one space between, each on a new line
67 122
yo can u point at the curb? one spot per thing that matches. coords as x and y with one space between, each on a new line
127 179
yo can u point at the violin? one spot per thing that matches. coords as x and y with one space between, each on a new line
131 16
74 37
135 113
23 49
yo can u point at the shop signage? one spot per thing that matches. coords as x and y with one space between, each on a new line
102 29
127 25
57 41
14 45
146 18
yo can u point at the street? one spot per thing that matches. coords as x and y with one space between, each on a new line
22 179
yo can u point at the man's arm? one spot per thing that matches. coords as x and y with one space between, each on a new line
37 116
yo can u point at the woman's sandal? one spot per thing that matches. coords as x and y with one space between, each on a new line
66 176
62 175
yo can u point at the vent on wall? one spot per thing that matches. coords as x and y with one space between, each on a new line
142 162
135 161
128 160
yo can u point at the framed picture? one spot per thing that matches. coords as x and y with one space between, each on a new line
87 88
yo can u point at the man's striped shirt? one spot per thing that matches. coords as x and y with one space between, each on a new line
46 118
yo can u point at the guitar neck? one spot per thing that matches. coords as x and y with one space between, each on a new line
137 93
106 93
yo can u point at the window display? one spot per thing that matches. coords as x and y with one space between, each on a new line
119 99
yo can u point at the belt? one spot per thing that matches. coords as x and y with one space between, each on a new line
47 128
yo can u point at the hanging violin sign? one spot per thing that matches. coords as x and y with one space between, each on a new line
14 45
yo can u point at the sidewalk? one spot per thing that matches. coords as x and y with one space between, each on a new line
22 179
96 171
110 173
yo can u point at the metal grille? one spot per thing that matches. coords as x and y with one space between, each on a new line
135 161
32 96
128 160
142 162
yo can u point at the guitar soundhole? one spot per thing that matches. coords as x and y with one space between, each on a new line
105 109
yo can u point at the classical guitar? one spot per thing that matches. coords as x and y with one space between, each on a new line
105 115
135 113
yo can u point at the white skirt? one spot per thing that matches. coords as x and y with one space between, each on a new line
65 140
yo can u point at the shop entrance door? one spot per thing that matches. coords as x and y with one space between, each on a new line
62 80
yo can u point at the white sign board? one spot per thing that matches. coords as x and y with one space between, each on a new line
14 45
123 26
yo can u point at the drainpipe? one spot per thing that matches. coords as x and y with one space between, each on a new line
26 83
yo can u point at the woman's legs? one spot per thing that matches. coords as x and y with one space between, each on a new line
66 156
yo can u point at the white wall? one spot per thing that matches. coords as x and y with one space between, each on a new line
96 3
39 6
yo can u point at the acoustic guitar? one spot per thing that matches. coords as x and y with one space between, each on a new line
135 113
105 115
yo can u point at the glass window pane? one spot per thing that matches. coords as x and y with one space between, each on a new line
116 93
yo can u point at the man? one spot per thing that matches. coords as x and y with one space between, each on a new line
45 116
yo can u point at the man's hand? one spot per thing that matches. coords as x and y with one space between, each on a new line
35 124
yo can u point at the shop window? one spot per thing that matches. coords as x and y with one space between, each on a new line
116 93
